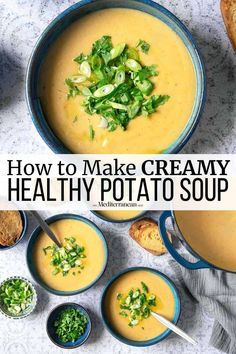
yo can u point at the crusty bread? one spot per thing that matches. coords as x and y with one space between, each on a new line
228 10
146 233
10 227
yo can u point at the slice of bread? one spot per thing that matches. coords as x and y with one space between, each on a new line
146 233
228 10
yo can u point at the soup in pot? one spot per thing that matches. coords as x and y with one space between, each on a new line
211 234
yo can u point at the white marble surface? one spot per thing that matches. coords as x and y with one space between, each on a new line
21 22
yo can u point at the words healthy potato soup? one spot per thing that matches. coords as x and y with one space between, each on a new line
128 91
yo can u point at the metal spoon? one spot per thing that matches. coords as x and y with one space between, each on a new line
46 228
173 327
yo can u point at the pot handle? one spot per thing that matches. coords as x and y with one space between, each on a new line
184 262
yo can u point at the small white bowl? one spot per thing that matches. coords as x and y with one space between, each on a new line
28 310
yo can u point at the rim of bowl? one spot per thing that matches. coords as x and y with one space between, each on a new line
55 144
154 340
34 298
24 219
79 307
115 221
35 233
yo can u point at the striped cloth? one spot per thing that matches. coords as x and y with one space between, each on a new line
216 292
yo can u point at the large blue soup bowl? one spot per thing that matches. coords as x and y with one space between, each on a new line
82 8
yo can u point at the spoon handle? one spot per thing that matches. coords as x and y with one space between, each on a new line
174 328
45 227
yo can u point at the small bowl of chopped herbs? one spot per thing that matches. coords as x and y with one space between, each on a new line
69 325
18 297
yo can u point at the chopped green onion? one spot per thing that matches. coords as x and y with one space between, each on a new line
16 296
77 79
133 54
117 50
120 77
104 90
118 106
85 69
133 65
65 258
136 305
86 91
146 86
133 109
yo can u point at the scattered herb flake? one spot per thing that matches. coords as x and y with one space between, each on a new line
91 132
144 46
144 287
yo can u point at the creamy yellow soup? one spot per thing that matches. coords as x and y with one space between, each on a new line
212 234
148 328
85 236
143 135
119 215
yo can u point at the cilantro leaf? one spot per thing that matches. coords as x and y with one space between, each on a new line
144 46
102 46
146 72
151 104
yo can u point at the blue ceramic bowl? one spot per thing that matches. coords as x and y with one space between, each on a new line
147 342
30 260
201 263
104 218
24 224
51 329
80 9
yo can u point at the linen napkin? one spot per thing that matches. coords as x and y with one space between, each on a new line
215 291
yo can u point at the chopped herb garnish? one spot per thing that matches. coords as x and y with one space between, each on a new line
119 296
115 84
70 325
91 132
80 58
144 46
68 257
144 287
73 89
75 119
136 305
16 296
